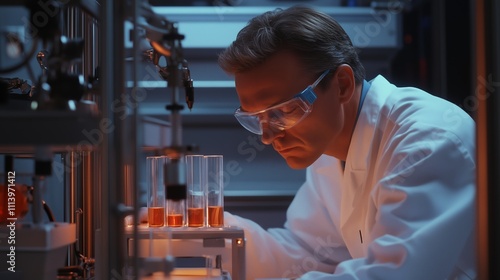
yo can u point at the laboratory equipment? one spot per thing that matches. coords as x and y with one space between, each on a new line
213 177
222 248
155 167
196 194
175 183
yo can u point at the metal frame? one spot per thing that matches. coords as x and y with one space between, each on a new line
210 237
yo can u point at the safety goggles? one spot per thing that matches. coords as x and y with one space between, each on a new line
282 116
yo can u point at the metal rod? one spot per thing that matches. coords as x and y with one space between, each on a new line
175 119
88 49
137 142
104 263
111 261
43 160
88 207
74 29
66 202
71 163
37 208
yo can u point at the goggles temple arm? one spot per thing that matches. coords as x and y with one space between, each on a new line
320 78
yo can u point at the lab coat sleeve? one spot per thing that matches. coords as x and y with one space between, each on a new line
297 248
424 198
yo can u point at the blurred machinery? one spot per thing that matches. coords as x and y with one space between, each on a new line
53 102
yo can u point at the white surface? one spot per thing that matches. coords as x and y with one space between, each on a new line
45 237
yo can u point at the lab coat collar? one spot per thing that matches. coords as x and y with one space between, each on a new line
364 131
364 139
326 163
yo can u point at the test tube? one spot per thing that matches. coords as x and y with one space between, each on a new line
196 194
156 190
213 176
176 192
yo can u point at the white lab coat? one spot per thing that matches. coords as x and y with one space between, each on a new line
402 209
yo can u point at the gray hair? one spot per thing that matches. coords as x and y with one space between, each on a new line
316 37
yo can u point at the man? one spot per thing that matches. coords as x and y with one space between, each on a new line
390 182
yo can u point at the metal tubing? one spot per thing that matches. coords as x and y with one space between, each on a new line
74 29
88 49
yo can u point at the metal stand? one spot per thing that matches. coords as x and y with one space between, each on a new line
194 242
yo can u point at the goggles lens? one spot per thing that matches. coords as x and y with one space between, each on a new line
282 116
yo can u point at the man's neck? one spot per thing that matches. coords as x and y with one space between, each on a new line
343 141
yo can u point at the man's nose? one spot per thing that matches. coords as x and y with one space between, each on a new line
269 133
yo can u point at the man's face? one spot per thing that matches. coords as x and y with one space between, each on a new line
277 80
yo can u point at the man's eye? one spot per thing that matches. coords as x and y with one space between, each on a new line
276 115
288 109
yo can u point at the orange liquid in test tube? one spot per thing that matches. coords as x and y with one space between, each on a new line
195 217
156 191
215 216
156 216
175 220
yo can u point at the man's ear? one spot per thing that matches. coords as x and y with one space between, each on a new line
345 81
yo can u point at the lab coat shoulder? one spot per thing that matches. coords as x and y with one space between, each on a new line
416 129
392 116
408 108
